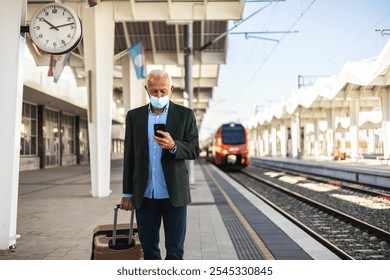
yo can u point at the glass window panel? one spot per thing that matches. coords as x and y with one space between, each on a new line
33 112
21 146
33 128
33 145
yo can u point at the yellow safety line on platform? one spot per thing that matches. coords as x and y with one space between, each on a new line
260 244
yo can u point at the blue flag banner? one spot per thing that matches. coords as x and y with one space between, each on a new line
92 3
137 54
57 64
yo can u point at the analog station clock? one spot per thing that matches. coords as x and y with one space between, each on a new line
55 29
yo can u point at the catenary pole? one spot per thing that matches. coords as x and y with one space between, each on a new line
188 61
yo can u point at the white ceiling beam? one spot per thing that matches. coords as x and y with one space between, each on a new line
177 41
126 33
153 43
127 11
179 82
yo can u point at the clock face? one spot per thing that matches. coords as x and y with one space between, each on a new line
55 29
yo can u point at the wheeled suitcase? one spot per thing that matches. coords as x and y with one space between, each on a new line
116 242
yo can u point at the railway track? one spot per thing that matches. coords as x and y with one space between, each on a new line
331 220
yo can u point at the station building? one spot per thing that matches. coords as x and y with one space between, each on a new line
54 125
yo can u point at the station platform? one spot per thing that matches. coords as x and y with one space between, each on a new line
364 171
57 215
368 163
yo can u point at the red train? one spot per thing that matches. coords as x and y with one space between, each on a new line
228 148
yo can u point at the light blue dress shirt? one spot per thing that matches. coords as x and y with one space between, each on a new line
156 186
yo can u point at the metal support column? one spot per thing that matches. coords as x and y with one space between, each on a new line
188 61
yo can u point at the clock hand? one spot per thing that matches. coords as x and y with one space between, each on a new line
52 26
55 27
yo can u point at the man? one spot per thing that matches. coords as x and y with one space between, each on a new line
155 176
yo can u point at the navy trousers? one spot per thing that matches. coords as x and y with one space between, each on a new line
149 217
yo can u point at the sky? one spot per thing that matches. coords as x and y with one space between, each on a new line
318 37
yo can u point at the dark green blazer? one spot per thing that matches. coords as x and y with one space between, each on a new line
181 125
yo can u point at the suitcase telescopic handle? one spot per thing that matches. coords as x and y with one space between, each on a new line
116 222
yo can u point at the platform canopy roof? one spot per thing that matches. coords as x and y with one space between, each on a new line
360 80
159 25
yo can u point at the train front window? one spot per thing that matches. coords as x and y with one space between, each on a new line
233 135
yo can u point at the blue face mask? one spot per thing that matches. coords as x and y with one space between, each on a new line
159 103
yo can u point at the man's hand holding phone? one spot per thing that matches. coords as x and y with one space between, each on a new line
163 138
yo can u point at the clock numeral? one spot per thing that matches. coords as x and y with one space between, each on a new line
41 19
46 13
37 27
54 11
40 36
69 18
68 36
63 42
55 44
47 41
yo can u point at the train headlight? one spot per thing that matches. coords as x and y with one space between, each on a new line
225 152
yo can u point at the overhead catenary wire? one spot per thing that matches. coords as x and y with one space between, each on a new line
327 37
383 31
219 37
273 49
266 27
280 40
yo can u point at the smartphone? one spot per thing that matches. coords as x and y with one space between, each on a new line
159 126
